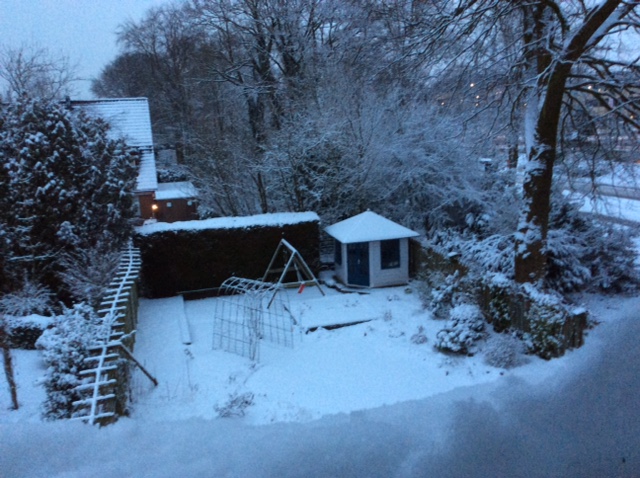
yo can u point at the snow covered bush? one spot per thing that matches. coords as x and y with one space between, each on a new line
26 312
30 298
64 347
581 254
611 255
499 291
23 332
463 329
235 406
546 318
566 271
88 272
445 293
587 253
504 351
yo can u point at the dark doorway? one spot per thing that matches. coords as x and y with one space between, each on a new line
358 263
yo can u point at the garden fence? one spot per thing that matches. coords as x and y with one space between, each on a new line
105 391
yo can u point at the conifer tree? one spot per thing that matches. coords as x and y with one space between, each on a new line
65 185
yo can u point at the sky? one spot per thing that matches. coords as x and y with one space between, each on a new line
83 30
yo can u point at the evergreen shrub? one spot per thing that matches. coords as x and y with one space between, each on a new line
64 347
463 329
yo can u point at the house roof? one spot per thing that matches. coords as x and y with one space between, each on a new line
368 226
129 119
177 190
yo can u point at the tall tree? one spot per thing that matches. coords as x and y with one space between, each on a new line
37 72
558 44
67 186
561 55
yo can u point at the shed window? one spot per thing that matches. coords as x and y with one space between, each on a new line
390 254
337 252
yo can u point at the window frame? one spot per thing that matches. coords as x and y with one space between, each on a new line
390 255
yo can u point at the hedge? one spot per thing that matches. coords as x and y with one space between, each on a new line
196 255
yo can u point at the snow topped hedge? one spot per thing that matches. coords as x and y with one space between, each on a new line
258 220
199 255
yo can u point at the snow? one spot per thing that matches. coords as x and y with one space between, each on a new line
368 226
176 190
343 370
129 119
32 320
614 207
259 220
622 182
356 401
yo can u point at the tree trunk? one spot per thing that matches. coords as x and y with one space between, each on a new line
8 367
531 236
531 259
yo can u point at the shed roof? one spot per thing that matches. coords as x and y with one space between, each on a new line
129 119
176 190
368 226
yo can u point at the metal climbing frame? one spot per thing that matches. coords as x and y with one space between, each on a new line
293 259
249 311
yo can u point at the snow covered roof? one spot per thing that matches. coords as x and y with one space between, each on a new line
368 226
129 119
177 190
277 219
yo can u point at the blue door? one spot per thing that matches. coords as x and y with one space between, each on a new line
358 263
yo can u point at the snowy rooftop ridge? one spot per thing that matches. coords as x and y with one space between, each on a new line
368 226
274 219
129 119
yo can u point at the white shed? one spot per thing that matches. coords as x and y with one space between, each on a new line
371 250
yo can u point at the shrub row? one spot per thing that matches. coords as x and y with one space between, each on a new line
550 325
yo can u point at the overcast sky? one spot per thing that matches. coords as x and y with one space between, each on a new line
83 30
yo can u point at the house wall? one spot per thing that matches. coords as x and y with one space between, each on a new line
378 277
146 201
386 277
176 210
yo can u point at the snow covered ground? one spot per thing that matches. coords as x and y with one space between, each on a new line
613 207
357 401
326 372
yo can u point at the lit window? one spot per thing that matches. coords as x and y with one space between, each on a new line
390 254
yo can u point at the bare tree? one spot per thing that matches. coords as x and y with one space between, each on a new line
37 72
563 64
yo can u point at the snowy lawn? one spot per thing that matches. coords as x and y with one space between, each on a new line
391 407
352 368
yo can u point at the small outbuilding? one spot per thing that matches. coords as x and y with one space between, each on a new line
175 202
371 250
